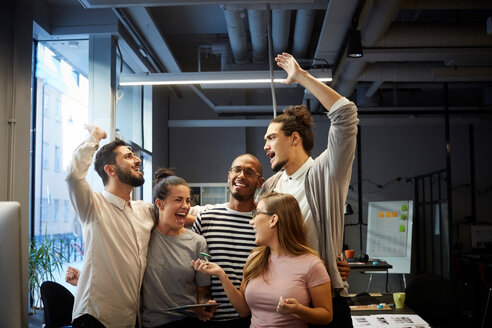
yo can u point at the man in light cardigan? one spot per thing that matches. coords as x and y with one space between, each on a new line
320 185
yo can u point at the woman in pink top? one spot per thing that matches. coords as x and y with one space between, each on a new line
285 283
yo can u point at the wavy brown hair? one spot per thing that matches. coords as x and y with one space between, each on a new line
290 233
298 118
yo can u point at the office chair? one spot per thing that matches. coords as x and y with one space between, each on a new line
58 305
433 298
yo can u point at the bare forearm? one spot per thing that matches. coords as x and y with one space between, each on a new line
235 296
324 93
318 315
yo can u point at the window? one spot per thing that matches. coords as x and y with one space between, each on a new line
46 105
62 98
148 175
58 159
44 209
56 210
58 112
66 210
46 155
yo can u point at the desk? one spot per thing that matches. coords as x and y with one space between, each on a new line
375 265
369 266
373 318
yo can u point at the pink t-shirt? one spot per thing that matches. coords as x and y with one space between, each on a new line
289 277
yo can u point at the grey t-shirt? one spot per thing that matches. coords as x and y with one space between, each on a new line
170 279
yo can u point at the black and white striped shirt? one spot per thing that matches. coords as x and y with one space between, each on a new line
230 239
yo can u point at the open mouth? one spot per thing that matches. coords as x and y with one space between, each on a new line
181 216
239 184
271 155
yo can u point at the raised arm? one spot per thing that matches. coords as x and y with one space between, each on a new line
295 74
79 189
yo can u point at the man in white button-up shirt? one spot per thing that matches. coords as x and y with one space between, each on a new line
116 233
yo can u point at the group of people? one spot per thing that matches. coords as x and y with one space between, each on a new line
273 263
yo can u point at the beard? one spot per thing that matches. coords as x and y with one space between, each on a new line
125 176
279 166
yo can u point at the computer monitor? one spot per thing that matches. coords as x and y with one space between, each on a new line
12 306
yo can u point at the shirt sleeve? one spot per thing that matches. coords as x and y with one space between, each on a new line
199 209
197 225
317 275
201 278
79 190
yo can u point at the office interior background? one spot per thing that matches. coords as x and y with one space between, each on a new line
423 86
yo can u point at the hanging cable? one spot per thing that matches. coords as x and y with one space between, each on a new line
270 60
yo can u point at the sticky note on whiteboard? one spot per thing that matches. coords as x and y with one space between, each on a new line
402 228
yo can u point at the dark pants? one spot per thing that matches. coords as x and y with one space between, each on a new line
341 314
185 323
87 321
234 323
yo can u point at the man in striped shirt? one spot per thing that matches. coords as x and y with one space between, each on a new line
230 237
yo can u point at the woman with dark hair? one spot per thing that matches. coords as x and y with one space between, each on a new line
285 283
169 281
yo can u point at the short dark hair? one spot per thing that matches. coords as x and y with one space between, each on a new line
298 118
163 178
106 156
260 167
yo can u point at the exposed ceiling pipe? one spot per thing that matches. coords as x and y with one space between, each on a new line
428 35
455 4
373 88
280 30
258 30
423 72
302 32
375 24
237 35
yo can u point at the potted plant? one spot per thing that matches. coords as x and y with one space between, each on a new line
44 260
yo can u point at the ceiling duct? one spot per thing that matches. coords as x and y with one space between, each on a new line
258 30
302 32
280 30
237 35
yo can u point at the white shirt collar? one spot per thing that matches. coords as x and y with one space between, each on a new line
115 200
300 171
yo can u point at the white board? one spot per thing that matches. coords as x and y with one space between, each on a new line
389 233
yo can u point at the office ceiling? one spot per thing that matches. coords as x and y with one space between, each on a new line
414 50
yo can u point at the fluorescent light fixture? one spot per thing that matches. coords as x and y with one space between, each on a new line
225 78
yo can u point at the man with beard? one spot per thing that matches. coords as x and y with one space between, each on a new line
230 237
320 185
116 233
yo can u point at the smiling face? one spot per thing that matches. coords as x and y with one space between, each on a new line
128 167
243 185
277 146
174 209
264 224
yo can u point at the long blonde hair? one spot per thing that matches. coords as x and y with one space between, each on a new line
290 233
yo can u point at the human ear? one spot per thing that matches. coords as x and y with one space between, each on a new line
259 183
159 204
109 169
295 138
273 220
